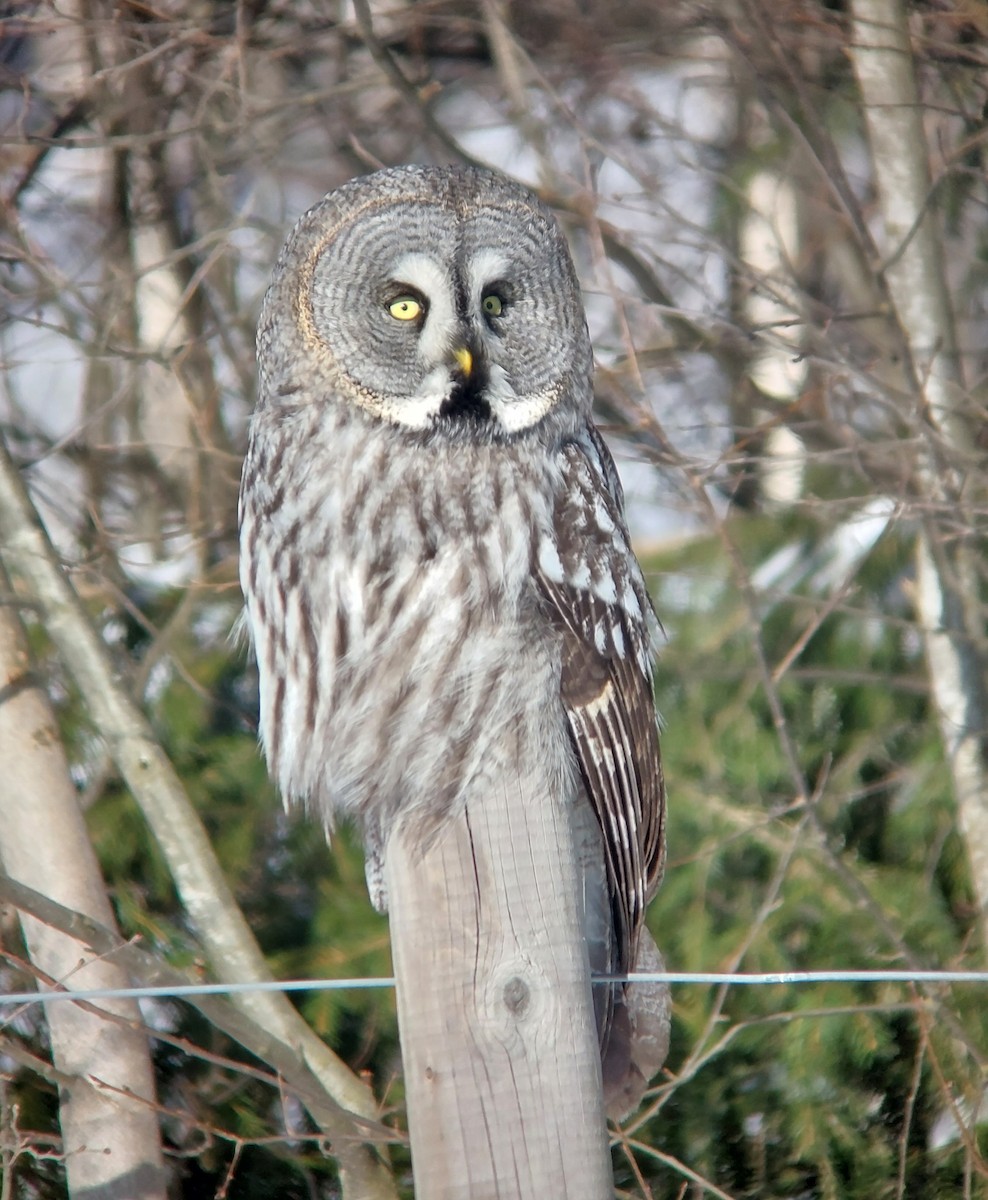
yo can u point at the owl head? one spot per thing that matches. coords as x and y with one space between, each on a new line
435 299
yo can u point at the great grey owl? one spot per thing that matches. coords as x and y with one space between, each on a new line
434 552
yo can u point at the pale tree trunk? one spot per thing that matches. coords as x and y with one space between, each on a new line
770 238
947 592
106 1109
233 952
498 1040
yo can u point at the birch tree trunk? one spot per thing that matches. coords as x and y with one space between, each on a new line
107 1108
947 592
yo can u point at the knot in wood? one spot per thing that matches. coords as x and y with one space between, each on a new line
516 995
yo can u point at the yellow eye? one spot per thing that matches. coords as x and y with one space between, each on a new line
492 305
405 308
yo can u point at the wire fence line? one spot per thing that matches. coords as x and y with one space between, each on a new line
702 978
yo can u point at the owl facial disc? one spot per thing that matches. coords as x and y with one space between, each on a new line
455 311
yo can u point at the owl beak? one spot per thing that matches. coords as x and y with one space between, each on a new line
467 398
464 360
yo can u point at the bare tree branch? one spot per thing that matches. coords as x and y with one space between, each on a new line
146 970
233 952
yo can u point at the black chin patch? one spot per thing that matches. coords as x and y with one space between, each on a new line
468 399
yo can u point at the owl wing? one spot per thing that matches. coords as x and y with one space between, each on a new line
598 600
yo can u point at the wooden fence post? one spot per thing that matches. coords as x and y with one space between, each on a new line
499 1045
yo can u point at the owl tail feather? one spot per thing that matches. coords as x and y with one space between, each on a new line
635 1040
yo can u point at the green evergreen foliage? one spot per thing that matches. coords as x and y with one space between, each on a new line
795 1090
826 1091
830 1091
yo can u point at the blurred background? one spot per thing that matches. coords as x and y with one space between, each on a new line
779 212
